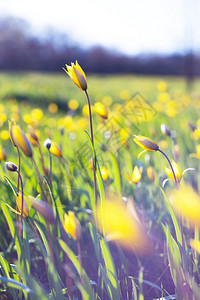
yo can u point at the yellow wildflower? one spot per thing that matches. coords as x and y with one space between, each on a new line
19 205
101 110
2 154
72 225
146 143
177 171
53 108
195 244
20 140
55 150
73 104
104 173
186 203
77 75
136 175
197 154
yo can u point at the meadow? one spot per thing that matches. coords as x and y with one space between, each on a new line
133 236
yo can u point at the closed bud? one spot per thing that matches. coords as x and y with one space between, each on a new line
101 110
11 166
55 150
47 144
72 225
44 209
165 130
20 140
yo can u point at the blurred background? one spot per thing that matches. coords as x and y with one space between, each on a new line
141 37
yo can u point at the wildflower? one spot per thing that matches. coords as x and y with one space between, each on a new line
118 222
25 206
165 130
101 110
37 114
136 175
47 144
77 75
55 150
20 140
146 143
104 173
195 244
4 135
53 108
2 154
151 173
44 209
72 225
73 104
32 136
11 166
186 203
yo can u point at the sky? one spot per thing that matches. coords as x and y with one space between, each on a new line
129 26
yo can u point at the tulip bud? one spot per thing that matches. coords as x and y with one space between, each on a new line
55 150
146 143
47 144
11 166
101 110
76 73
72 225
25 206
20 140
2 154
165 130
44 209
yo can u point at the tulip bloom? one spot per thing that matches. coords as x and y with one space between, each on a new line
25 206
104 173
136 175
55 150
20 140
146 143
72 225
101 110
177 172
76 73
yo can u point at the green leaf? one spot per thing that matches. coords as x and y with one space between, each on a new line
15 284
110 270
11 185
116 171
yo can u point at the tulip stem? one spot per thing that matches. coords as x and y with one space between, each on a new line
92 138
170 167
40 180
42 160
22 205
50 169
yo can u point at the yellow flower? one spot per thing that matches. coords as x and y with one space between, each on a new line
195 244
73 104
101 110
151 173
162 86
77 75
19 205
2 154
119 222
186 203
20 140
4 135
104 173
177 172
136 175
37 114
146 143
53 108
72 225
55 150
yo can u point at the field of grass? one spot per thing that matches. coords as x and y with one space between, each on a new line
139 239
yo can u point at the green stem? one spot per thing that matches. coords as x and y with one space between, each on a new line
50 169
22 205
92 139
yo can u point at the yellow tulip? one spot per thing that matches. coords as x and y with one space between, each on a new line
76 73
186 203
20 140
104 173
101 110
197 154
151 173
120 223
136 175
55 150
19 205
177 172
72 225
146 143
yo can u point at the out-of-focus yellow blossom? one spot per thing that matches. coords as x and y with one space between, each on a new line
76 73
136 175
2 108
28 119
73 104
171 112
37 114
151 173
195 244
185 100
53 108
3 117
55 150
198 123
67 122
33 136
117 107
125 95
4 135
19 205
157 106
20 140
15 116
177 172
82 123
163 144
72 225
85 110
101 110
162 86
186 203
163 97
145 143
104 173
2 154
107 101
196 155
118 223
196 134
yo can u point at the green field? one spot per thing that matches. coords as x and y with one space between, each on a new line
137 241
